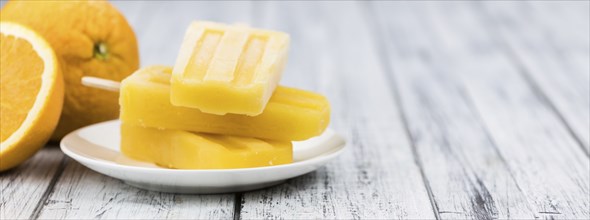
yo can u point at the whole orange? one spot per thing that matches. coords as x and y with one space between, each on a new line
90 38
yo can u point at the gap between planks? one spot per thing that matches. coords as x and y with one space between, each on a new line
372 22
49 189
517 59
25 188
476 110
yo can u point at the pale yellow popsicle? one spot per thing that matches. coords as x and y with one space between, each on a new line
187 150
224 69
291 114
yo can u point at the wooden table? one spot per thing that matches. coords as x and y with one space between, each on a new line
450 109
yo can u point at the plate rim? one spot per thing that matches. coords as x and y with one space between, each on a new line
325 156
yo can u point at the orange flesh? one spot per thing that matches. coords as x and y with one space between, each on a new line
20 83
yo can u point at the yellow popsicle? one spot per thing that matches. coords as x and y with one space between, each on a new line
291 114
187 150
237 67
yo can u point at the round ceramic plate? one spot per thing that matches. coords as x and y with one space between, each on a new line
97 147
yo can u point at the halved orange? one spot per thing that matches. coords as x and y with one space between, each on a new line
32 93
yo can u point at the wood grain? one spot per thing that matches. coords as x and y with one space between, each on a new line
469 179
528 136
549 41
84 194
28 184
332 53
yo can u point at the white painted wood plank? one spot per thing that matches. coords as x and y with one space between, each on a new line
84 194
545 161
468 178
333 53
25 186
551 41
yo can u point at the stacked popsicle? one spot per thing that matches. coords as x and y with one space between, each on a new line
220 106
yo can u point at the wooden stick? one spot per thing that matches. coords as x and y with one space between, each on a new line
101 83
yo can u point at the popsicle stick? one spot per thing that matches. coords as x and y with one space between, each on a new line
101 83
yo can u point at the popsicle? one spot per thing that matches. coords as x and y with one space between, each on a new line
187 150
291 114
224 69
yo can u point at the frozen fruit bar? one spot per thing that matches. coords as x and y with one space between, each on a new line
187 150
228 69
291 114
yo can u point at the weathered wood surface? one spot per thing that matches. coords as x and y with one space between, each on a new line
468 178
549 42
25 188
81 193
475 110
450 109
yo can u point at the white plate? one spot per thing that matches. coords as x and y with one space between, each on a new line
97 147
